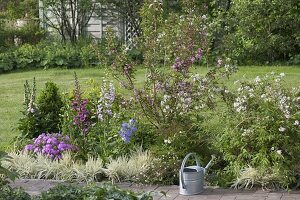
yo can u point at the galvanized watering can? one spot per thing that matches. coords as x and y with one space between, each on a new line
191 178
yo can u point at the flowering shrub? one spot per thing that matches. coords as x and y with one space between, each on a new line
262 129
173 101
51 145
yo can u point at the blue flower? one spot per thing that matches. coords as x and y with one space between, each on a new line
127 129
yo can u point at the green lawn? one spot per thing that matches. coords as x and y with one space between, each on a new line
11 87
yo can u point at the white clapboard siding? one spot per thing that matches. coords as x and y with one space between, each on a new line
97 25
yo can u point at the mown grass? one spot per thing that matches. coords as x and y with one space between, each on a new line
11 88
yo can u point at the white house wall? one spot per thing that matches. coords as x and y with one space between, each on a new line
96 26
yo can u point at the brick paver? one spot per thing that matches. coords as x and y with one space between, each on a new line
35 187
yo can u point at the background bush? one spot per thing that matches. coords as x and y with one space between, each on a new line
54 54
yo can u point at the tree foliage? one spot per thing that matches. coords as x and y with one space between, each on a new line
267 30
16 9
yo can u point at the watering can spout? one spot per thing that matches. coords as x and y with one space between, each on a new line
209 163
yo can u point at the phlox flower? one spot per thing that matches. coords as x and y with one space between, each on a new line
51 145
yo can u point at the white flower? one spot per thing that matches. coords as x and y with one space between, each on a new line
196 77
282 129
279 152
257 79
282 74
167 141
296 123
166 97
287 116
31 110
226 67
239 104
272 149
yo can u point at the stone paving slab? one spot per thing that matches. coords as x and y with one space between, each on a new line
35 187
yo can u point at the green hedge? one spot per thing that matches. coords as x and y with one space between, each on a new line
46 55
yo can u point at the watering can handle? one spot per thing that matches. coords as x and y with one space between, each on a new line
183 164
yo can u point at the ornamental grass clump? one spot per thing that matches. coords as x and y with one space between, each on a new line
51 145
251 177
66 169
92 170
23 164
129 167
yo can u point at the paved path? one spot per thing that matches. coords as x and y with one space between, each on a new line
34 187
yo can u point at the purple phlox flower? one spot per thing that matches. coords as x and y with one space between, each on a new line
51 145
62 146
52 140
29 147
36 150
